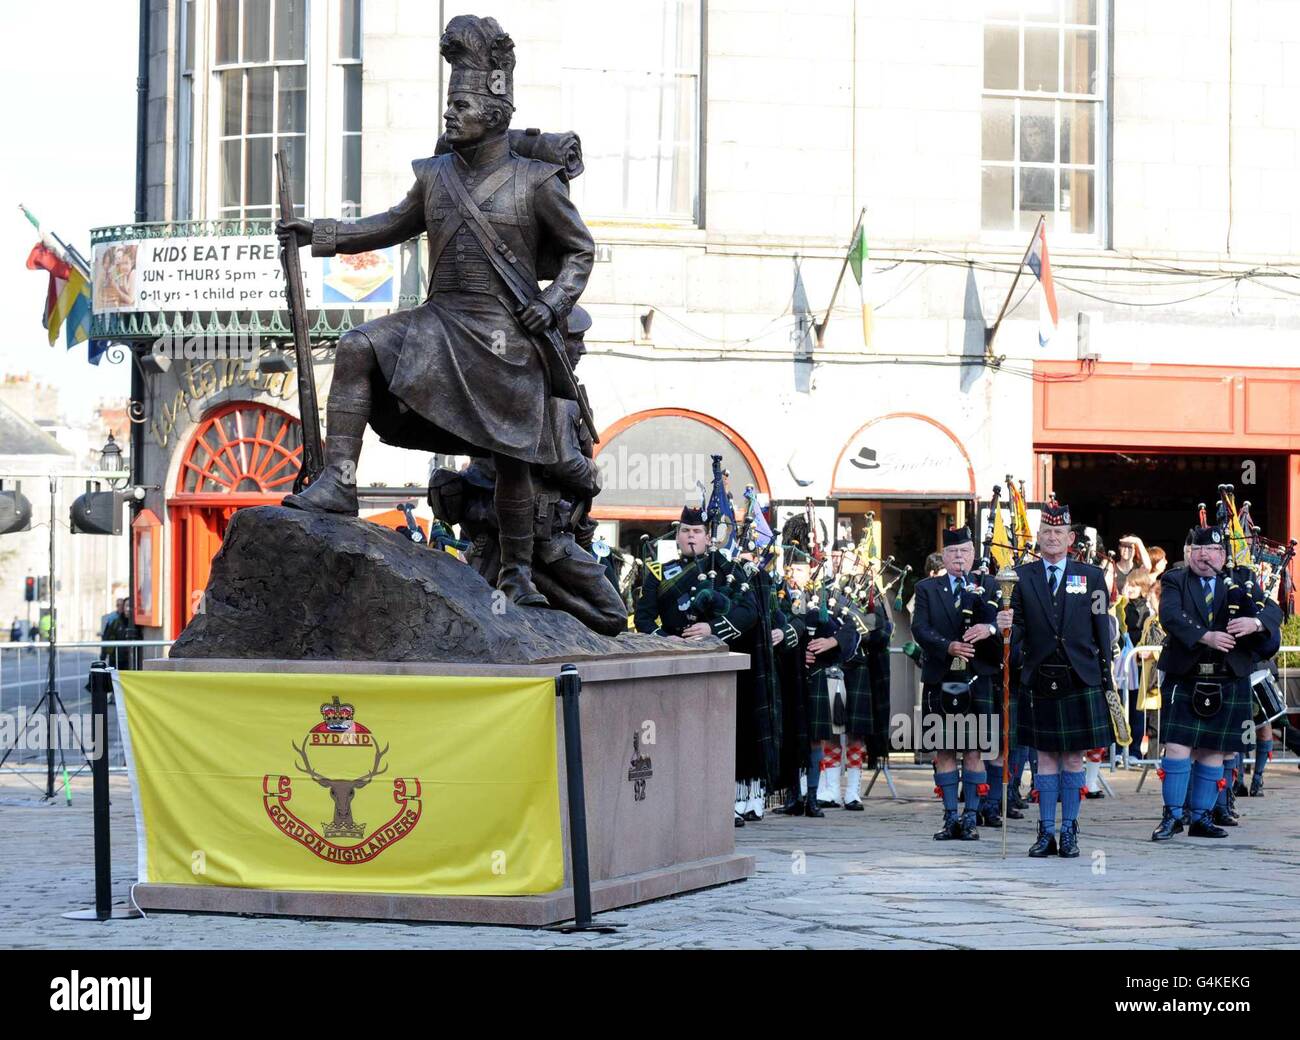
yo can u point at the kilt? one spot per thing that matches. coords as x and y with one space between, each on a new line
957 736
857 703
1075 721
459 375
1223 732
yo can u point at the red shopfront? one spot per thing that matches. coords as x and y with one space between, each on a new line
1136 447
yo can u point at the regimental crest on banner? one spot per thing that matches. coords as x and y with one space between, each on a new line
347 758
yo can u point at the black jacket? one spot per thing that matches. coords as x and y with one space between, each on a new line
936 623
1082 632
668 599
1184 618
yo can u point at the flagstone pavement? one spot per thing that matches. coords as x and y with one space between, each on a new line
872 880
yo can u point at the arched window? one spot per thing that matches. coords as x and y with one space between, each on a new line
242 449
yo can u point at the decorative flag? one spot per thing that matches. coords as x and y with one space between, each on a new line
858 261
1000 549
1019 519
67 298
1042 268
762 531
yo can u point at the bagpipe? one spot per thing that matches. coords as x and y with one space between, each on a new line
1268 561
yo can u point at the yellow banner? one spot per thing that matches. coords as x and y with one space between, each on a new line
354 783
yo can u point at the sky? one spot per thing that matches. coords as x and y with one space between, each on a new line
69 156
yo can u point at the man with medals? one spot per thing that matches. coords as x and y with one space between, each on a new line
953 621
1059 620
1215 627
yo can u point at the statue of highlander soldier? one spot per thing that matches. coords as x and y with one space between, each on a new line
470 370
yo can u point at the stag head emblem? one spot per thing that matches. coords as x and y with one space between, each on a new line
342 792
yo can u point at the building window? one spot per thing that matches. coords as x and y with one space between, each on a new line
1044 113
185 115
637 109
261 80
350 60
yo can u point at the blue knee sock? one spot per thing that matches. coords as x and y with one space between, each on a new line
1019 759
1229 767
972 782
1049 788
814 771
1071 786
993 800
1205 788
947 784
1262 750
1177 774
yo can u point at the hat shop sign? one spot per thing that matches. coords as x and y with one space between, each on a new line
903 455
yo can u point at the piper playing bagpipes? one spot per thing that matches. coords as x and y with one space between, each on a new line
1216 630
953 621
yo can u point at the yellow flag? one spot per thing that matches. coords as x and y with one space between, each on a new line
1000 549
429 785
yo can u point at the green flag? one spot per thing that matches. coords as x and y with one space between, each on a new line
858 261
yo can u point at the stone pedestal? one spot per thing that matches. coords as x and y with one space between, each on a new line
659 815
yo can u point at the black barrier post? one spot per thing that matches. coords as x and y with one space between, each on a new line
568 686
101 682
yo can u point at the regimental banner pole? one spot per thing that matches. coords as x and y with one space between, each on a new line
101 682
568 686
1006 579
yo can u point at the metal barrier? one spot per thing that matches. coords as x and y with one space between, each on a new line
28 713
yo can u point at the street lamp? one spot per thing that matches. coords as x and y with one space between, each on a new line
111 462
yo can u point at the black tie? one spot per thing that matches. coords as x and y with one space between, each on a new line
1053 580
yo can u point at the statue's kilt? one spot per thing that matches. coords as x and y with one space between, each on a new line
1224 731
1075 721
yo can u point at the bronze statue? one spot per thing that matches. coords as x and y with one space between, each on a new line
564 569
469 371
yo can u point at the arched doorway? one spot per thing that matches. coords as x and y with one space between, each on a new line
242 454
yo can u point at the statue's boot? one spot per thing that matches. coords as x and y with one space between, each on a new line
335 489
515 578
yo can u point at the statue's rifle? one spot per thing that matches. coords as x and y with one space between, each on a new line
313 450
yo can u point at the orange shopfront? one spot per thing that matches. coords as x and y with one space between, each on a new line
1134 448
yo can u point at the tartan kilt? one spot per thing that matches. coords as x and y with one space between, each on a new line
1076 721
1223 732
857 703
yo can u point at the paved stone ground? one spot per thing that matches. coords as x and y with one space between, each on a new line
866 880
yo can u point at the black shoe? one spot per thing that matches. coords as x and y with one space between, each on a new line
1069 845
1203 828
1257 786
810 807
1171 823
827 805
1014 813
1015 801
1222 817
740 820
1045 845
751 816
853 806
794 807
967 830
991 817
1095 794
1240 789
951 826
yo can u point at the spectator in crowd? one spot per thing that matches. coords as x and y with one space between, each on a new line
119 627
1158 562
1132 554
1137 612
